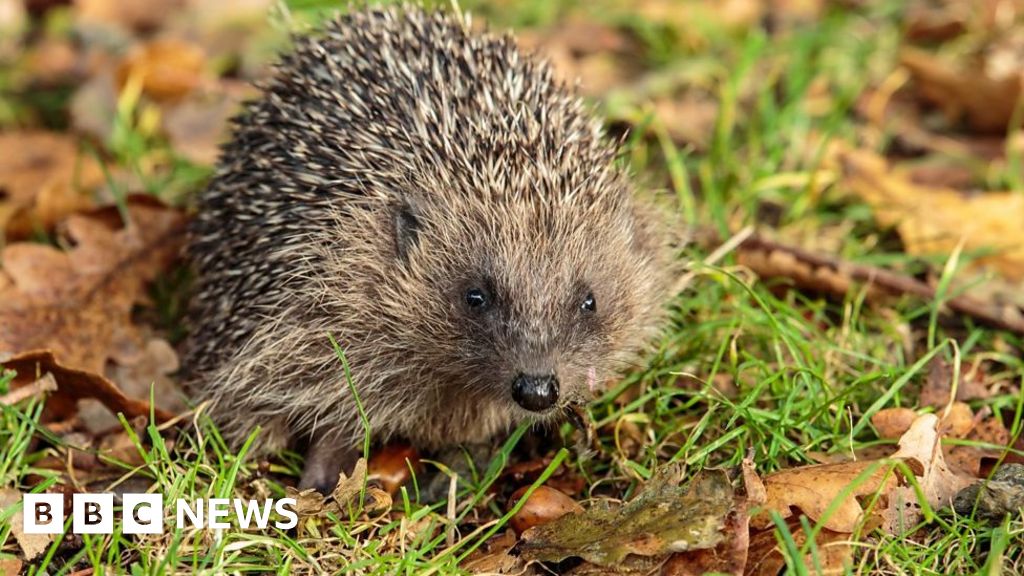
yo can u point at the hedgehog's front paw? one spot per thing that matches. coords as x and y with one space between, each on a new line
325 460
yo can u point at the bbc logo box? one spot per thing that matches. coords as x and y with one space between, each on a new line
93 513
144 513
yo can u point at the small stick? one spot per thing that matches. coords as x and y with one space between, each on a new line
41 386
453 483
827 273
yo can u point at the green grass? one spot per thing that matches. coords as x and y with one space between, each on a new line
807 372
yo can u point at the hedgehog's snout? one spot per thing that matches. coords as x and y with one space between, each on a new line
535 393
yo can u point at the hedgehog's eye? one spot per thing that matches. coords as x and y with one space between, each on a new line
476 298
589 303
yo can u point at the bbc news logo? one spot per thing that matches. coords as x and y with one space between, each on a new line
144 513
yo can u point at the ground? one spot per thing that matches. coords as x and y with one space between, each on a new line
872 135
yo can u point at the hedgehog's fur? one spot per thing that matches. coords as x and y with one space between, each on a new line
395 159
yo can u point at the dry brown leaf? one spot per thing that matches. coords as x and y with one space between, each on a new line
10 566
765 556
149 366
813 489
493 557
938 386
967 460
957 420
31 545
875 452
168 69
76 302
729 557
66 312
935 220
688 118
931 22
893 422
350 485
74 385
54 62
308 502
43 178
921 449
964 91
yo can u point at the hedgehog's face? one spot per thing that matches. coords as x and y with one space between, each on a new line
532 307
543 352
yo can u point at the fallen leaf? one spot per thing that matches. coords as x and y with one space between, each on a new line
893 422
936 22
957 420
167 69
308 502
31 545
141 374
74 385
74 302
564 479
544 505
730 556
493 557
875 452
765 556
64 312
921 449
662 518
43 178
934 221
966 460
938 385
816 488
350 485
10 566
54 62
964 90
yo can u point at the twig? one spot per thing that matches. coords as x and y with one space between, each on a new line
830 274
717 255
41 386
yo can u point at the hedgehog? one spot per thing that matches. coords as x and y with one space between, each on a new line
432 203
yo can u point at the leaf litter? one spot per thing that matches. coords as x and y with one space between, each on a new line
662 518
69 313
176 75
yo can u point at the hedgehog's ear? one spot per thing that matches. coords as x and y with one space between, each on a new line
407 227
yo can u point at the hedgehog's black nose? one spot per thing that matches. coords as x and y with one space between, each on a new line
535 393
